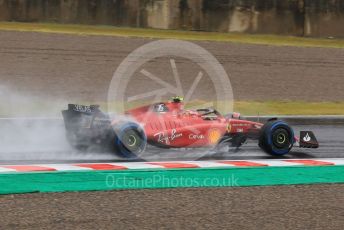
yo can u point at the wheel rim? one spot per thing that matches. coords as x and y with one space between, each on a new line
132 141
281 138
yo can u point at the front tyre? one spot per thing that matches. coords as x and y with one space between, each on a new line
276 138
130 140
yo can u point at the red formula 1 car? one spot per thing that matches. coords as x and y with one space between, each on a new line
169 125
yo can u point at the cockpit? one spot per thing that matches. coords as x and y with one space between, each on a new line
176 106
208 113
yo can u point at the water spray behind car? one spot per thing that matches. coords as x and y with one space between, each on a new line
31 131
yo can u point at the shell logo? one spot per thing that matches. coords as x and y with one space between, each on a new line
214 136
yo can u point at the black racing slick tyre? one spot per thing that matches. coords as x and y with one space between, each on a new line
276 138
130 140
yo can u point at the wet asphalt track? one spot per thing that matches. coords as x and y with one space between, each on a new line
42 142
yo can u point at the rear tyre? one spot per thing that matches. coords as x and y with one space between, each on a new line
276 138
130 140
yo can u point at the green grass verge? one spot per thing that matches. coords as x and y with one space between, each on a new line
176 178
172 34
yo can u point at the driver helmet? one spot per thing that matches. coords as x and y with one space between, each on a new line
177 99
176 103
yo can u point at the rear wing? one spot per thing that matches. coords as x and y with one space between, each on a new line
78 117
83 108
